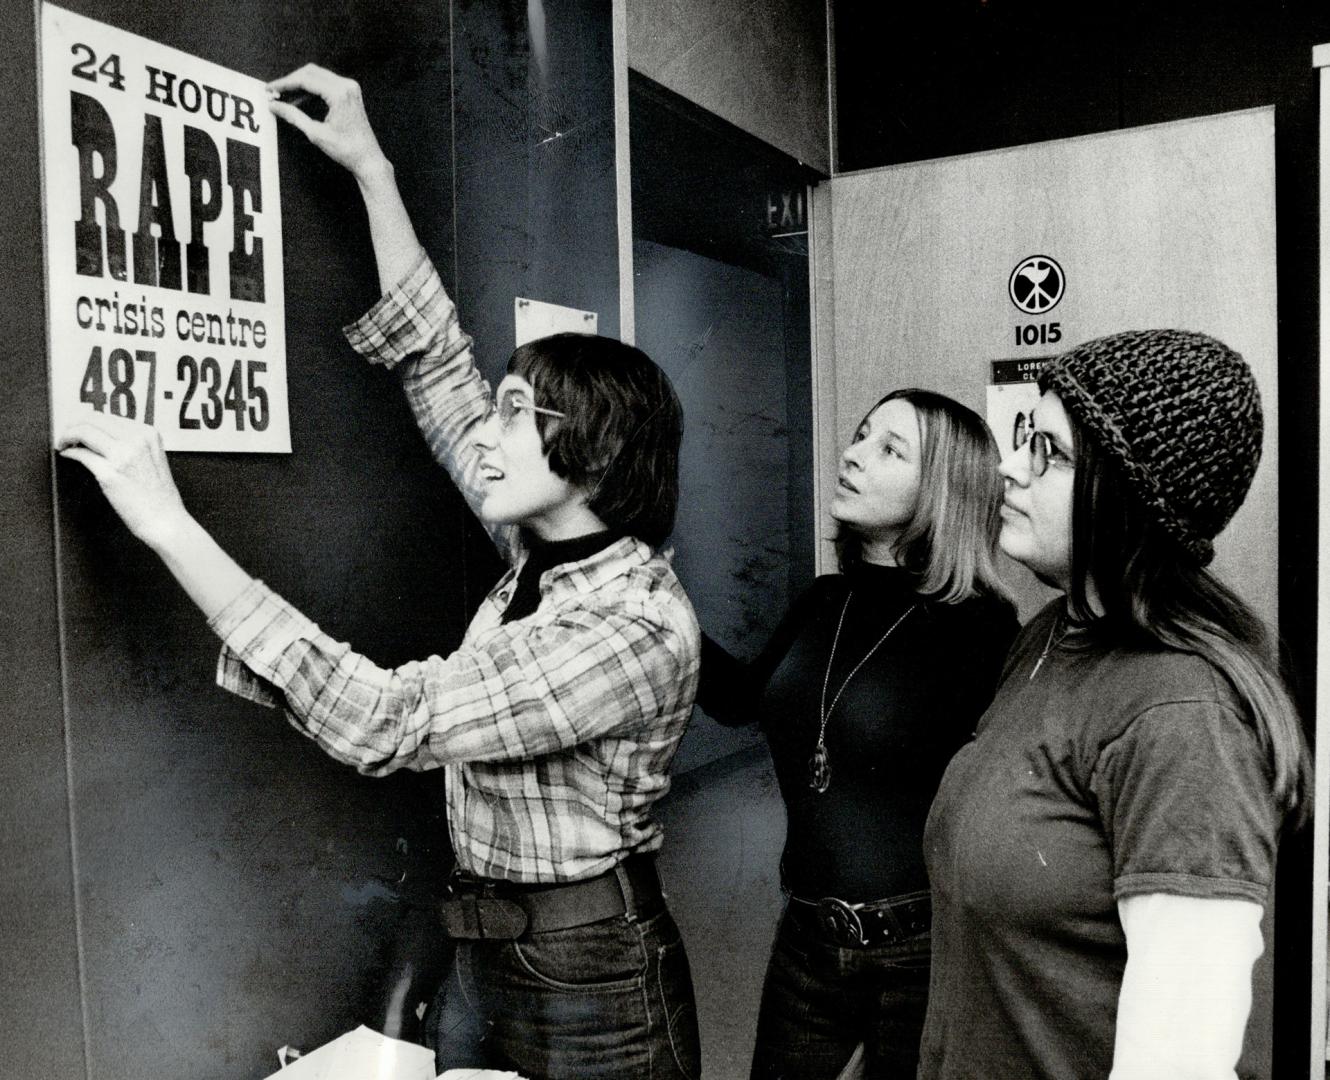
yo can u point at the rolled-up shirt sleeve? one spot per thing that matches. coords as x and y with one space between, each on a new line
413 329
517 692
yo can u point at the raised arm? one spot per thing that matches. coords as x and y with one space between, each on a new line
414 327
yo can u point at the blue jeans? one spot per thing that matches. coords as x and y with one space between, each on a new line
821 1000
611 1000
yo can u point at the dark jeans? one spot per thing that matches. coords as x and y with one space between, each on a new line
820 1001
610 1000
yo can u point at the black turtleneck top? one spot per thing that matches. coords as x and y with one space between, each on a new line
545 555
897 723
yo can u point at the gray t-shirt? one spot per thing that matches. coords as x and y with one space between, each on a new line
1111 773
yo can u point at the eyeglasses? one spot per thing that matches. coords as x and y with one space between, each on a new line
508 404
1043 451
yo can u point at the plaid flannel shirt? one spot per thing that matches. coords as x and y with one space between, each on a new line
555 731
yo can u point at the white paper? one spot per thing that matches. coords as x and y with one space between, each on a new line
184 331
1007 403
362 1054
477 1074
536 319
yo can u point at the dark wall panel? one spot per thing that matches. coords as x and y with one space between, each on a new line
717 331
535 180
237 889
228 888
535 165
39 991
721 301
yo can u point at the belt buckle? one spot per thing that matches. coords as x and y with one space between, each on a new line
841 920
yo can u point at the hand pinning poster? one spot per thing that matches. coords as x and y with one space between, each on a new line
163 240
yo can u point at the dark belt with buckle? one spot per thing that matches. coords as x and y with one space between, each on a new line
874 922
504 910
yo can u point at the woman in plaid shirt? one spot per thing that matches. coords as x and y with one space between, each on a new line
556 719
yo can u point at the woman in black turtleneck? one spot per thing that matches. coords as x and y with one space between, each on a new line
873 679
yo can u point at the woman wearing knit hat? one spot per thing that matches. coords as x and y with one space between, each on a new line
1101 852
870 683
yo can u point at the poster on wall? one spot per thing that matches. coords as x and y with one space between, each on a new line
165 301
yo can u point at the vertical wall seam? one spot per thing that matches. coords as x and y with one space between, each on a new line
822 327
1320 932
833 166
457 264
452 138
623 176
71 817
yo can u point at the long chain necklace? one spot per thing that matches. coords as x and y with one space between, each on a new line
1048 646
819 767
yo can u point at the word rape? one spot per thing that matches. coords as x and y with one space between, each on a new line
157 253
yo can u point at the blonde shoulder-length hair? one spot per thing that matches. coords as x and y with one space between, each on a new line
951 542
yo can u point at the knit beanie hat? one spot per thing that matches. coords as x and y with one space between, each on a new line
1180 414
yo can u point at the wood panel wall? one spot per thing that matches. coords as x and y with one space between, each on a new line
1165 225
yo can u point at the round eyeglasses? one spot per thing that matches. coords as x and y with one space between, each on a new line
507 405
1043 452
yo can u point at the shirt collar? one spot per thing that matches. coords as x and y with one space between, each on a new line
598 564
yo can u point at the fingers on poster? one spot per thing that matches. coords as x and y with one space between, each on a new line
163 240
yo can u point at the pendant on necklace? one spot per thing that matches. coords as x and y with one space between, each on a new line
819 769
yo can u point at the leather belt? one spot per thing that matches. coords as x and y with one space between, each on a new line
873 922
479 908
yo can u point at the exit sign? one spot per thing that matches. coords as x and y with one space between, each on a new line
786 212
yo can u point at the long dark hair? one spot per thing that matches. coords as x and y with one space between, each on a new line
1151 592
951 542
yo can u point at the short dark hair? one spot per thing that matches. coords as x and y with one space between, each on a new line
621 430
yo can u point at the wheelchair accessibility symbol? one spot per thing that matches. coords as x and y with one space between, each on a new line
1036 285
